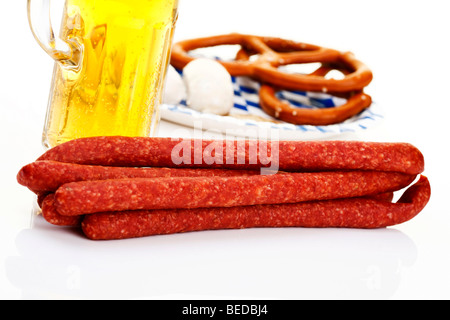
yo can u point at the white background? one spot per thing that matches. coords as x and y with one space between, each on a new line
405 43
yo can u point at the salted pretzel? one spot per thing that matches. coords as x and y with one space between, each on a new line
270 53
357 101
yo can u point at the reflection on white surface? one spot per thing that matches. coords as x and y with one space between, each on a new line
291 263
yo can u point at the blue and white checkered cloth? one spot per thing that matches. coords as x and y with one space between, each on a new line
246 107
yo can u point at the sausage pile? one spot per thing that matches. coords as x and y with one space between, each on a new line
260 58
120 187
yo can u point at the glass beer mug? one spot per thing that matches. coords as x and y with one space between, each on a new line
111 61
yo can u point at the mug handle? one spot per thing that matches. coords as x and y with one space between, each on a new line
68 53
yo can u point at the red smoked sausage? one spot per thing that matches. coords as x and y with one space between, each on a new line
52 216
169 193
344 213
48 176
249 154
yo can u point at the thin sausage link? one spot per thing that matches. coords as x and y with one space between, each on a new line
249 154
48 176
170 193
52 216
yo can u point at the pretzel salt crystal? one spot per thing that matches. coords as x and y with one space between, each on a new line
275 52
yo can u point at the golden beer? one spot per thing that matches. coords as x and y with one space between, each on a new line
121 50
